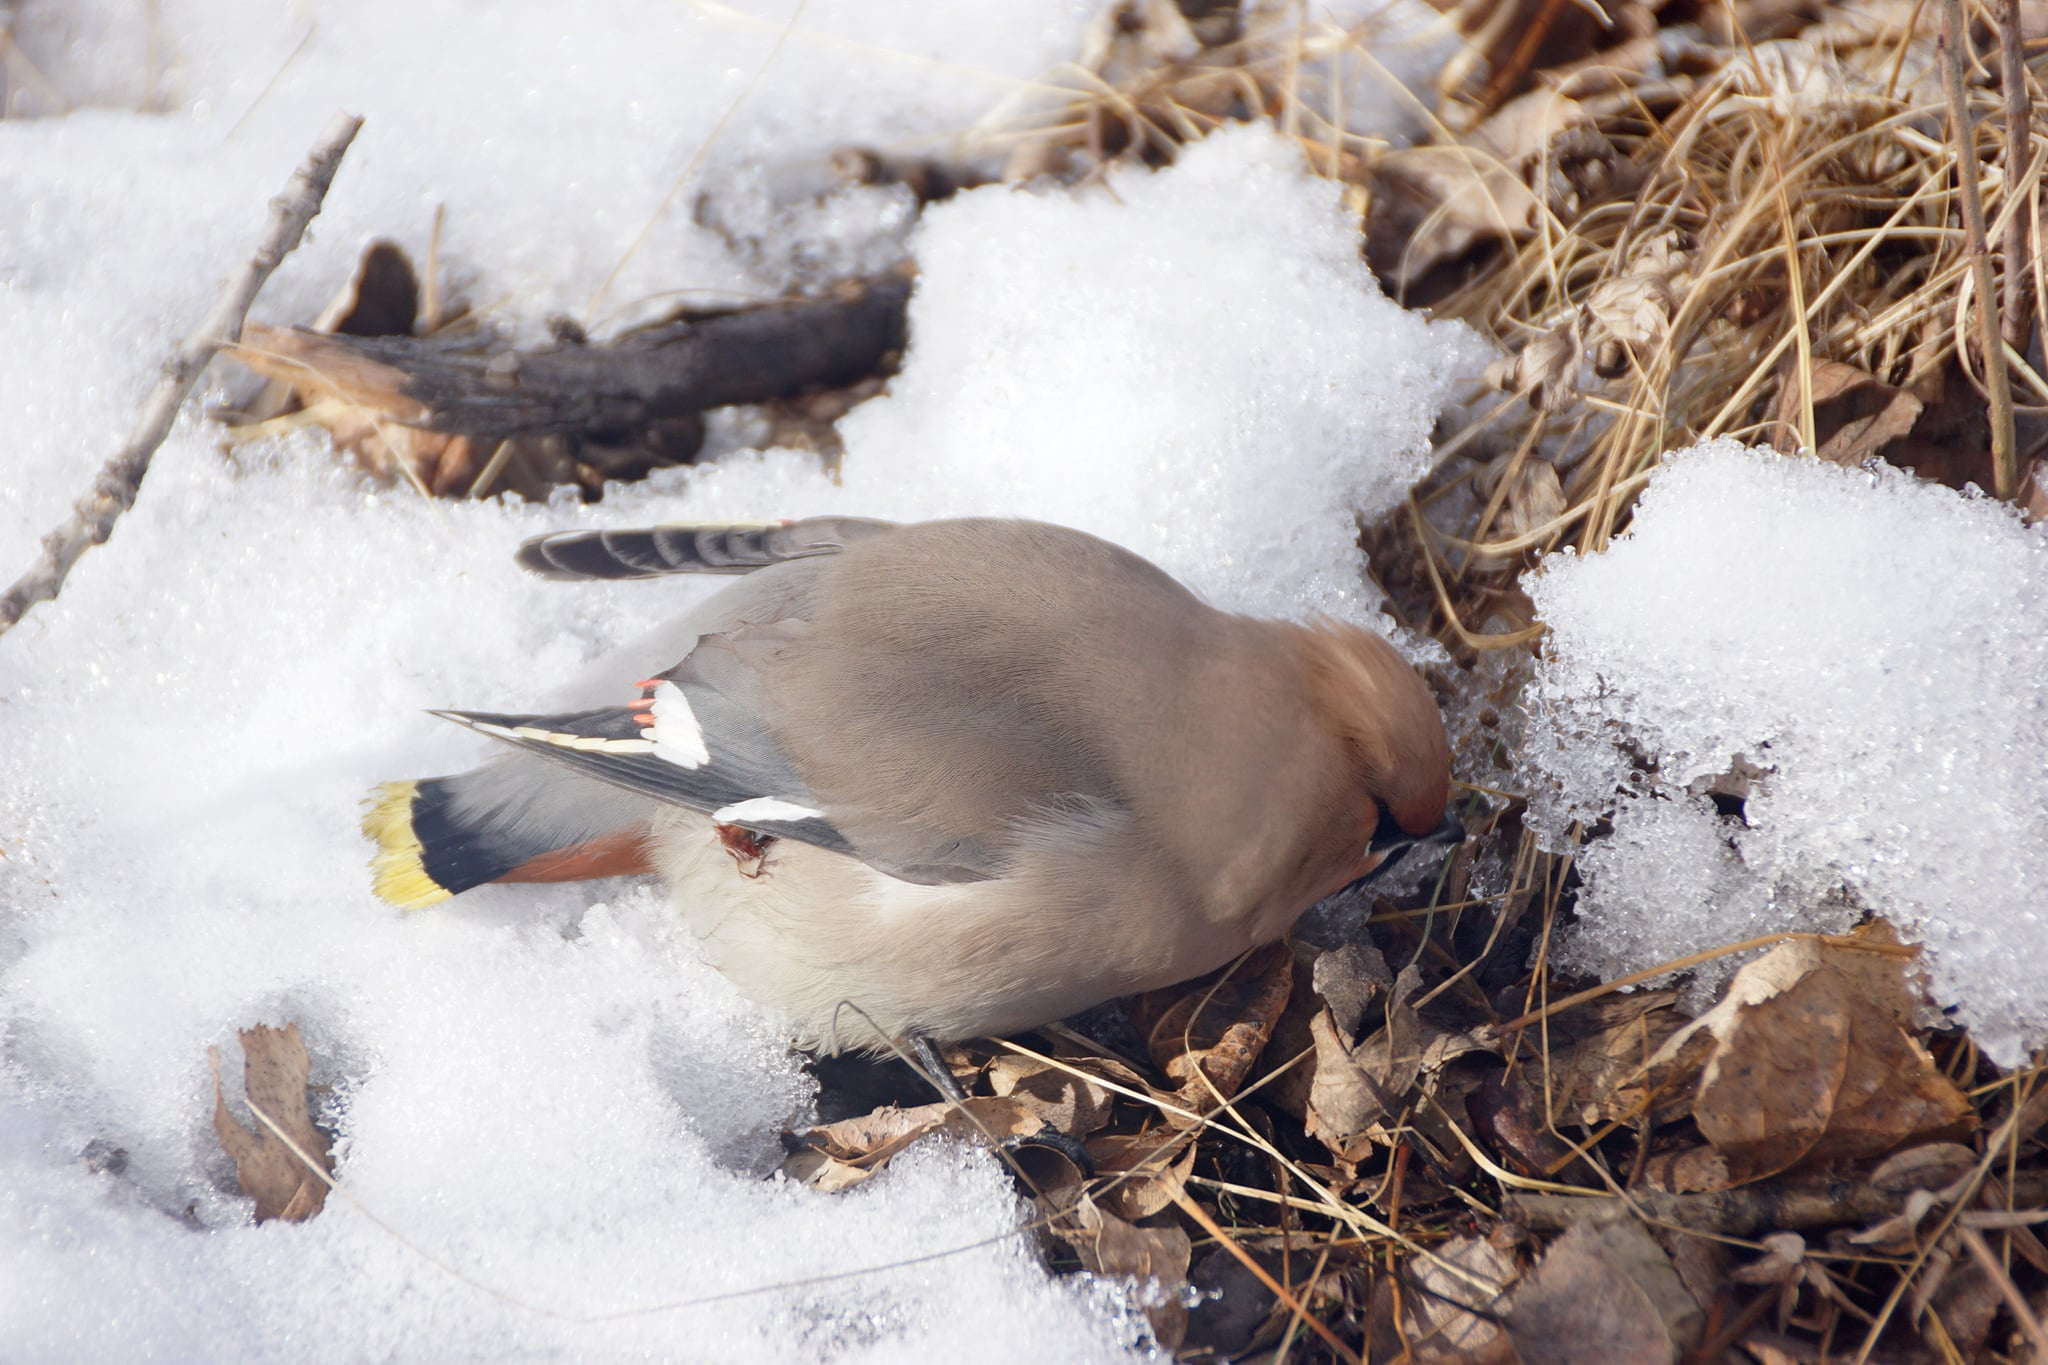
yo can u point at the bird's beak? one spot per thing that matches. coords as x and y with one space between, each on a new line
1390 843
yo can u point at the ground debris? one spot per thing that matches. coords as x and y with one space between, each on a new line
271 1161
1811 1062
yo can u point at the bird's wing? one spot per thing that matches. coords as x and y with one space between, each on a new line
699 737
923 698
676 761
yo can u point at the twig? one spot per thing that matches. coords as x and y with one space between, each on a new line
2014 309
114 490
117 483
2005 465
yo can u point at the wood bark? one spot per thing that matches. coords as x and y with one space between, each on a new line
573 387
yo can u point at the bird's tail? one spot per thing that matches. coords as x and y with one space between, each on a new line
516 819
719 549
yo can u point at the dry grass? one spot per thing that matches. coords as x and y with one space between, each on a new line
1671 255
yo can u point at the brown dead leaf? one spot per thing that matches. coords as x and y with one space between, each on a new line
1106 1073
1595 1049
1930 1177
837 1156
1667 254
1535 498
1686 1170
1073 1104
1546 369
1434 204
1950 443
1507 1113
1454 1069
1145 1173
1930 1166
1856 415
1349 978
1604 1294
1812 1062
1548 137
275 1068
1818 1074
822 1173
382 298
1357 1091
1635 310
1966 1306
1617 69
1454 1307
1207 1034
1582 167
1156 1257
1520 130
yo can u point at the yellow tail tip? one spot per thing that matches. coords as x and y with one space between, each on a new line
399 873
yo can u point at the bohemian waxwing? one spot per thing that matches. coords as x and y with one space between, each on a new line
944 780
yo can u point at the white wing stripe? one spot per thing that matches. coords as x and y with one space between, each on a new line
676 734
764 808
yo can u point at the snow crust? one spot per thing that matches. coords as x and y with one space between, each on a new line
542 1090
1233 395
1873 651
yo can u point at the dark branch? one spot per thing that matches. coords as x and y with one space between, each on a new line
671 370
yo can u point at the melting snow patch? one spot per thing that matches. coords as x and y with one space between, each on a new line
1867 655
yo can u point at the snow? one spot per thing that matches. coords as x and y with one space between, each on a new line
1370 66
1240 461
1873 652
554 1119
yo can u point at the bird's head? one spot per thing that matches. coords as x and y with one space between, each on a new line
1382 715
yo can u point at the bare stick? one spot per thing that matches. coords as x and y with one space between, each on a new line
113 491
2004 463
2015 308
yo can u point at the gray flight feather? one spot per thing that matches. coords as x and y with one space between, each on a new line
707 549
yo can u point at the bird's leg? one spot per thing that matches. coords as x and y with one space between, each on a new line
925 1058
